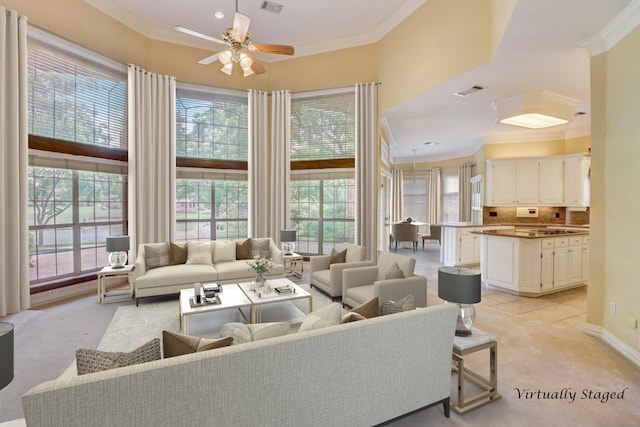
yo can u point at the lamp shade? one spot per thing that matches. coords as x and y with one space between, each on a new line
459 285
6 354
118 244
288 235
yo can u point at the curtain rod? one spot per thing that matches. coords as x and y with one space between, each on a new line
319 90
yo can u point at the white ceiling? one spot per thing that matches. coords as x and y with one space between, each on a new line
543 48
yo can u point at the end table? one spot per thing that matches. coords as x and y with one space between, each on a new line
293 260
111 272
478 340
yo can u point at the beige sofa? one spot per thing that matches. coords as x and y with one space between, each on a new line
169 279
321 377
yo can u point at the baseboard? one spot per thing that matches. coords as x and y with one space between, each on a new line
618 345
67 292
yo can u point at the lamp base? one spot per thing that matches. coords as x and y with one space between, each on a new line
288 247
118 259
466 319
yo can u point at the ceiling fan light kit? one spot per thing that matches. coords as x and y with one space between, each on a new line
238 41
536 110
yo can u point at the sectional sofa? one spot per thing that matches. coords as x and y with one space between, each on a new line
165 268
354 374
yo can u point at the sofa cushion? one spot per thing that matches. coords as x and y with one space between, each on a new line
352 317
225 251
395 272
355 252
243 249
405 304
199 253
242 333
176 344
323 277
176 275
156 255
88 361
368 309
260 247
328 315
337 257
178 252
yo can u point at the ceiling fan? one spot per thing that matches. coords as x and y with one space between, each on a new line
240 47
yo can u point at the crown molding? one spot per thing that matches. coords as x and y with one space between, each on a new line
625 22
386 130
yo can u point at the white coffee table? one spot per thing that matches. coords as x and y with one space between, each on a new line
231 297
257 301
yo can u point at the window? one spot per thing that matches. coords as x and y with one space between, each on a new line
415 199
450 198
196 220
77 105
211 195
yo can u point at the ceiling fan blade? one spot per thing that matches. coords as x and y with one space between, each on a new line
209 59
240 27
197 34
255 65
271 48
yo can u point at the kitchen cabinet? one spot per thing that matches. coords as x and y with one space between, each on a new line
586 250
461 246
550 179
576 180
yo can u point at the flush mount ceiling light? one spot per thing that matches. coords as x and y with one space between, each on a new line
536 110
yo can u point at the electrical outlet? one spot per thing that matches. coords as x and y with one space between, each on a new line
53 292
633 322
612 307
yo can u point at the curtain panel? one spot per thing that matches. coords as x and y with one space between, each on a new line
280 163
367 168
435 196
464 193
14 245
258 221
397 195
152 157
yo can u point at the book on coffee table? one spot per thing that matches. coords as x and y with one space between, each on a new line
285 289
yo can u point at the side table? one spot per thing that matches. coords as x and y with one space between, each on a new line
478 340
112 272
293 260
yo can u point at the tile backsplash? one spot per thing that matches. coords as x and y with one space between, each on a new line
546 215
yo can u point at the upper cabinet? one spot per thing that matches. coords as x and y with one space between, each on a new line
538 181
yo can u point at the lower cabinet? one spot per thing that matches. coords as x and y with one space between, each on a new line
461 246
533 267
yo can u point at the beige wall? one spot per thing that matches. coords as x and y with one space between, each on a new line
615 171
537 148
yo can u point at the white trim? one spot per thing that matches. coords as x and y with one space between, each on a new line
323 92
624 349
619 27
386 130
211 90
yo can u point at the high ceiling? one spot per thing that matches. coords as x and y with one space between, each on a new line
543 48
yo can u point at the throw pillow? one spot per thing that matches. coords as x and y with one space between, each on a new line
199 253
368 309
260 248
395 272
156 255
352 317
89 361
225 251
175 344
328 315
178 253
243 249
405 304
242 333
337 257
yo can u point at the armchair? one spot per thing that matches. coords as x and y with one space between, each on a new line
327 277
363 283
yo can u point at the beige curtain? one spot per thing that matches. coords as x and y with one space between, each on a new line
258 164
152 157
367 168
397 194
464 193
280 163
435 196
14 244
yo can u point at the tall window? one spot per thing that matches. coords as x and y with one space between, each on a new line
450 199
415 199
322 188
77 176
212 150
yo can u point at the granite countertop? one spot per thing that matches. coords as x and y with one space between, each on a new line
519 225
534 232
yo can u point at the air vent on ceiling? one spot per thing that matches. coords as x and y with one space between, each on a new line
272 7
472 89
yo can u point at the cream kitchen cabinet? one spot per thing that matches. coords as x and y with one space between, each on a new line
576 180
461 246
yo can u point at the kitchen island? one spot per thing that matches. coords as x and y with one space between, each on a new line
534 261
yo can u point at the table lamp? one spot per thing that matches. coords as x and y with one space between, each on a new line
6 354
288 239
460 286
117 248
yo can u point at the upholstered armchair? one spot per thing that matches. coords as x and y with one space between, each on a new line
327 276
392 279
405 232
